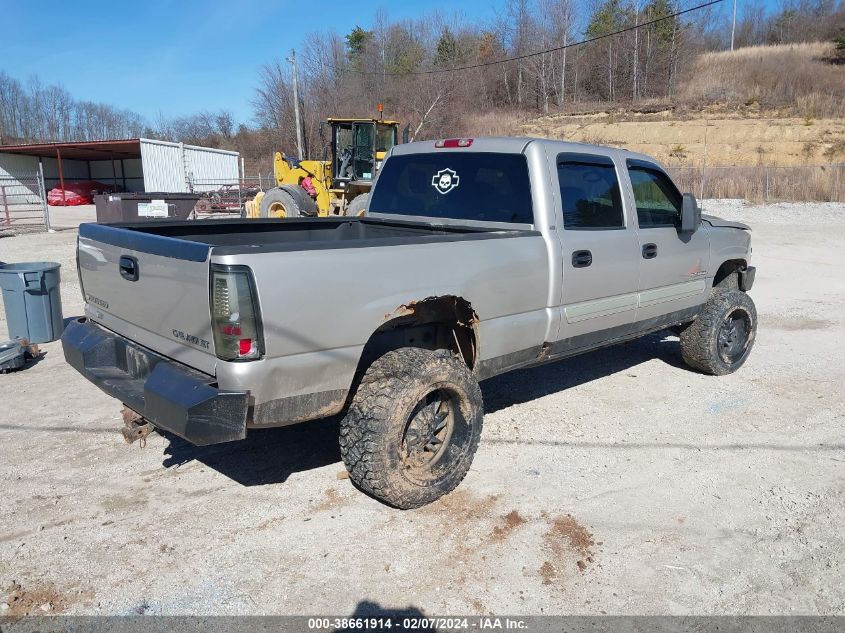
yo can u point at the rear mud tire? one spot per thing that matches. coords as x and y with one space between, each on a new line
396 410
720 339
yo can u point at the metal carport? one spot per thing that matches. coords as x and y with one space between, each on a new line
127 164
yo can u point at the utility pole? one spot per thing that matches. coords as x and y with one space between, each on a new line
733 27
636 48
292 60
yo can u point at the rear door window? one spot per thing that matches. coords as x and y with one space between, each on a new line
457 185
589 192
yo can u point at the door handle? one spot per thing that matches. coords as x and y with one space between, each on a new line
649 251
128 268
581 259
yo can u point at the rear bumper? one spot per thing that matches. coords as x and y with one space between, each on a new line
170 395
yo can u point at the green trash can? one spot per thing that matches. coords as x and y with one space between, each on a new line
32 300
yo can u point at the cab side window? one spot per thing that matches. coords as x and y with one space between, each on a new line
589 193
658 200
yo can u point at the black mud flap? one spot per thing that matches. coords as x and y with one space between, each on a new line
746 278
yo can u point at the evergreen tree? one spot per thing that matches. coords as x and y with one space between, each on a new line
356 45
609 16
447 49
664 29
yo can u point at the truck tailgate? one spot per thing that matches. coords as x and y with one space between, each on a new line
152 289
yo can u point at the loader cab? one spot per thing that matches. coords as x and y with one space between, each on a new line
358 146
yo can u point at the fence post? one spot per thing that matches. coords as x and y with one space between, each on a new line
767 185
42 189
5 205
242 176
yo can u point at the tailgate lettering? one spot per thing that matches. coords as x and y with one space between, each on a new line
190 338
97 301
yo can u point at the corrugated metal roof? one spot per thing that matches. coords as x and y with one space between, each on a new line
99 150
167 166
82 150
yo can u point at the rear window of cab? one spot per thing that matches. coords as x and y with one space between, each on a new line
458 185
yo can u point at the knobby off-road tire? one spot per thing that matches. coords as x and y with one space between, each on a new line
720 339
284 203
278 203
358 206
413 427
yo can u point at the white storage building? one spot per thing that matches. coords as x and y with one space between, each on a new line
137 164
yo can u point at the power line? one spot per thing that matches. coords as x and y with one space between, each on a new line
437 71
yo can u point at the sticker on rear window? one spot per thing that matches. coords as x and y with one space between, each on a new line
445 180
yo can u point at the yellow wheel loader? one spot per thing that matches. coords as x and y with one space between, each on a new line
337 185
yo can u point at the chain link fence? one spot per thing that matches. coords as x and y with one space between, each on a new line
23 203
807 183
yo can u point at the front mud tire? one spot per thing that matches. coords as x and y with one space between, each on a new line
720 339
412 430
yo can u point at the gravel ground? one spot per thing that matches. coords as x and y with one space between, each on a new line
617 482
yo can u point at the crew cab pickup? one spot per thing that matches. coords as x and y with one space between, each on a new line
477 257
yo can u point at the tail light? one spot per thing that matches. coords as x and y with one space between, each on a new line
235 317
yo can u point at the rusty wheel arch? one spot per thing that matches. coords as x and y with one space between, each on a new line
437 322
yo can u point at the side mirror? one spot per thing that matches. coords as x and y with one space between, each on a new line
406 133
690 215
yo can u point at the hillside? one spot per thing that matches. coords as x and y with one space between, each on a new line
708 137
773 105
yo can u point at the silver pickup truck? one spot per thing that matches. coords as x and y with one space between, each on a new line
477 257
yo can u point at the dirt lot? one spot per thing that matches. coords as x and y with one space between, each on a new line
618 482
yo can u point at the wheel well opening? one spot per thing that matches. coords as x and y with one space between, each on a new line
727 269
445 322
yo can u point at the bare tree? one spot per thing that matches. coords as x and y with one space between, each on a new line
519 16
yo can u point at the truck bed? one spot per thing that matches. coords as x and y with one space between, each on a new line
295 264
230 237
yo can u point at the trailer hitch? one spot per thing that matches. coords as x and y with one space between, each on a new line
135 427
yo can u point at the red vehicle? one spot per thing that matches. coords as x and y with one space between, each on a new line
77 193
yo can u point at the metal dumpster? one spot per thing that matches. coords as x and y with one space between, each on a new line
140 206
32 300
